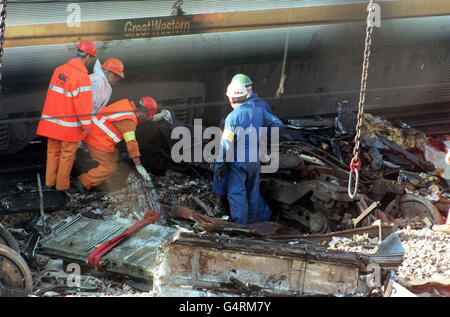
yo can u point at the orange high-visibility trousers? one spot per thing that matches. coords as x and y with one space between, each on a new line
107 164
60 158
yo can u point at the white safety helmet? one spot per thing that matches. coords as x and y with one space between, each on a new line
236 90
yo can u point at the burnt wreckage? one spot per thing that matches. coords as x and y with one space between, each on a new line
310 188
308 196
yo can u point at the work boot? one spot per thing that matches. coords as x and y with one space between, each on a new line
80 187
71 191
49 188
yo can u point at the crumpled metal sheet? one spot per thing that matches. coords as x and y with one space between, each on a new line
133 257
234 266
201 265
218 225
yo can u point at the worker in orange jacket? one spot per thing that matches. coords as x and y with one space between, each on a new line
66 116
111 125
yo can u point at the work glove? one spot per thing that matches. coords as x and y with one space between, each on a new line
164 114
141 170
447 157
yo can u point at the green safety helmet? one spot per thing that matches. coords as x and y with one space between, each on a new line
241 78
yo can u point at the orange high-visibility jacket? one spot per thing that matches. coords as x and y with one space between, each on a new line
66 115
104 135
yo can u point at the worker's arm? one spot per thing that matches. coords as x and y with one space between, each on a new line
98 92
267 106
164 114
270 120
226 146
127 128
82 96
226 142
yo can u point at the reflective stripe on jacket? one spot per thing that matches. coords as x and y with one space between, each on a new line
103 134
66 115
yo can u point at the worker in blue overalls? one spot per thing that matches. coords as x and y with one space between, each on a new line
238 161
220 187
253 96
264 211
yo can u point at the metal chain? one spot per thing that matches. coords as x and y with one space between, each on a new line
362 100
2 35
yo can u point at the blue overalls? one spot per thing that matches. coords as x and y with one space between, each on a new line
239 160
259 102
220 187
264 211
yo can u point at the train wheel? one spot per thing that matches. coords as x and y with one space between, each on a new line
15 275
7 239
412 206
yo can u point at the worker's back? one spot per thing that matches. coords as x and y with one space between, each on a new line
245 123
68 105
103 134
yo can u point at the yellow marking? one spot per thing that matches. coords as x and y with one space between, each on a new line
157 27
228 135
129 136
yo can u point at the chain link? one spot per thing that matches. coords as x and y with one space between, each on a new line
2 36
362 96
365 68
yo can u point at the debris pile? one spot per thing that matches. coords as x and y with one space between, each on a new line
427 254
358 243
314 222
314 171
193 192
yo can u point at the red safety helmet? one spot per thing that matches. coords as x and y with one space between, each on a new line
88 47
114 65
150 104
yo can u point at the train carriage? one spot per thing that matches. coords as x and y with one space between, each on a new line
184 53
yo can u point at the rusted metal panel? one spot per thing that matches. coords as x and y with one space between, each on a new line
261 268
134 257
188 264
